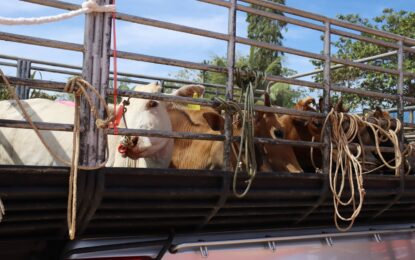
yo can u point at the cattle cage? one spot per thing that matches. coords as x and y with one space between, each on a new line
118 201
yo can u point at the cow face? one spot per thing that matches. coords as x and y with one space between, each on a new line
149 115
152 115
274 157
312 124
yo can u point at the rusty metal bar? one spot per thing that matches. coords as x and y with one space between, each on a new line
58 86
364 66
172 26
279 48
400 116
49 63
176 135
383 55
229 87
401 105
40 42
8 64
326 97
23 71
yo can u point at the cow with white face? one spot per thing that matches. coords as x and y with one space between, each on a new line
23 147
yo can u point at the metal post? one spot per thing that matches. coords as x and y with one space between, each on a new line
97 44
229 86
23 71
326 97
400 105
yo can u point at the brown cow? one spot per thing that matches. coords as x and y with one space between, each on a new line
304 129
196 154
275 157
203 154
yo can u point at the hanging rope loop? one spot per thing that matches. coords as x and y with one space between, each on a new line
348 171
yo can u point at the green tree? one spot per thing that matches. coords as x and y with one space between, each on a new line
122 85
4 94
398 22
283 95
265 30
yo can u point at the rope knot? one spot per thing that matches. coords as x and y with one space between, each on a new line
92 6
71 86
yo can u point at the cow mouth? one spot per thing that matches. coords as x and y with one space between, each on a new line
129 148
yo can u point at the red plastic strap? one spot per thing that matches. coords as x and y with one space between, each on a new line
114 56
117 118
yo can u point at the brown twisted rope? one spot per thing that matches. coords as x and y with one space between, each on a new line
78 87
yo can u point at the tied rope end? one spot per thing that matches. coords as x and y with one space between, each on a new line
92 6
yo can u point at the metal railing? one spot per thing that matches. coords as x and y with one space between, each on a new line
397 42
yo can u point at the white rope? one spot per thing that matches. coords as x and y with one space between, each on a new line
88 6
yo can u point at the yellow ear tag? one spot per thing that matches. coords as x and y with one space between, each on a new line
194 106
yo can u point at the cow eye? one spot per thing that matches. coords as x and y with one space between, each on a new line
151 104
278 133
318 123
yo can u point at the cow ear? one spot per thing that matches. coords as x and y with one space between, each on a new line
321 104
189 91
304 104
267 100
340 106
215 121
378 113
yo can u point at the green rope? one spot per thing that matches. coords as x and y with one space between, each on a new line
248 81
247 142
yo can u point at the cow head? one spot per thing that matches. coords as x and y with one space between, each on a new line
312 124
274 157
151 114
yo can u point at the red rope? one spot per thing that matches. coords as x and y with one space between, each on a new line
114 60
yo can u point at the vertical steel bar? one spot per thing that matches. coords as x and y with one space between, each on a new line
401 104
23 71
326 96
229 86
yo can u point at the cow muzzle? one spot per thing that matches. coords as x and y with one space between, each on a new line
128 147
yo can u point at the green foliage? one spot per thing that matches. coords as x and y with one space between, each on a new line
121 86
400 22
283 95
265 30
4 94
39 93
42 94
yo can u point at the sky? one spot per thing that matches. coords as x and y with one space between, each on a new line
158 42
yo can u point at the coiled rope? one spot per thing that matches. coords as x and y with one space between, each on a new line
246 145
87 7
248 80
348 165
78 87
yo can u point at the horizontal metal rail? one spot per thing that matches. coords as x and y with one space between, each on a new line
304 24
289 238
59 86
371 58
332 21
41 42
177 135
191 30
